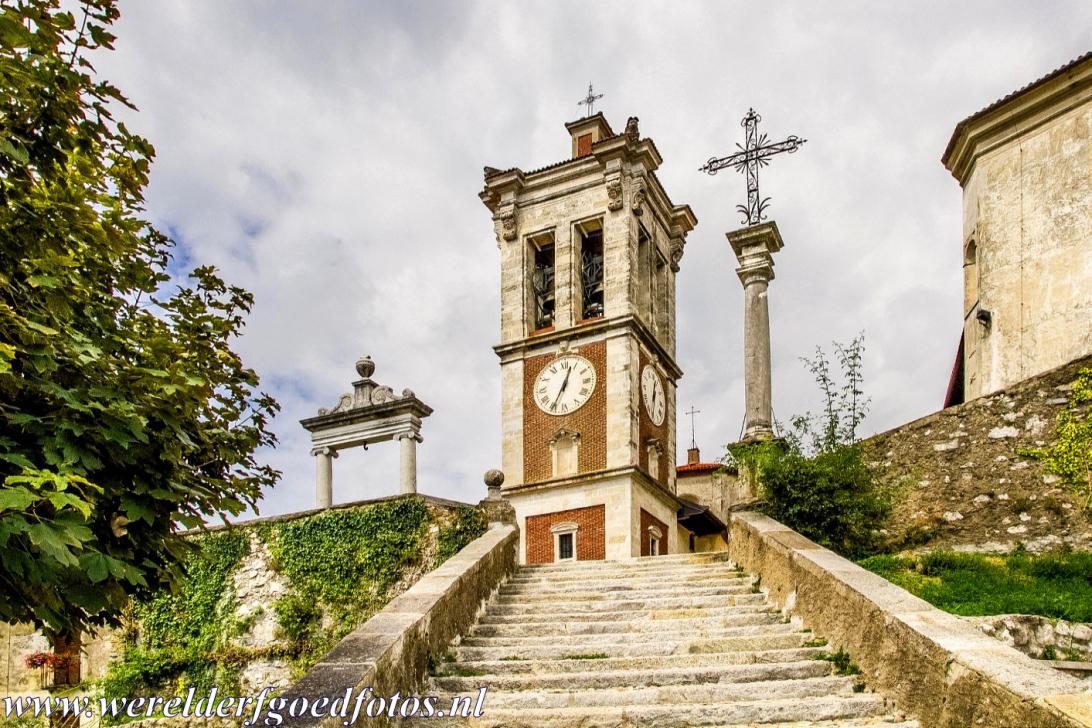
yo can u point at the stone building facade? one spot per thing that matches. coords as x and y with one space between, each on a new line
589 250
1025 166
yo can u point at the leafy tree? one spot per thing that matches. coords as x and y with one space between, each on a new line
124 411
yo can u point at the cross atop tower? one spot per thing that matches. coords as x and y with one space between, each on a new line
590 100
748 159
693 436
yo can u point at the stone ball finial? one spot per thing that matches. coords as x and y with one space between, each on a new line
365 367
494 478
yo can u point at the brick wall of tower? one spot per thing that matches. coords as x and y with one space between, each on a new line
647 521
591 543
590 420
647 430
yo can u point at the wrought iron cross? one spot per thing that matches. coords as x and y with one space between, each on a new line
590 100
748 159
693 437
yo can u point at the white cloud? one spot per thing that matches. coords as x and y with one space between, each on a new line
328 157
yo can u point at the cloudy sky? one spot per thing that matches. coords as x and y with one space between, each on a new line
328 157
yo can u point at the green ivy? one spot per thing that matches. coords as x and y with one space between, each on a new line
343 562
1070 457
467 526
340 565
297 616
176 632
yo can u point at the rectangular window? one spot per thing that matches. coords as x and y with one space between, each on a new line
564 546
542 282
591 270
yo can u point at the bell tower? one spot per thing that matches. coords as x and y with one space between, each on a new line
589 250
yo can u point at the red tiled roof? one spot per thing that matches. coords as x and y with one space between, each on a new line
697 468
1009 97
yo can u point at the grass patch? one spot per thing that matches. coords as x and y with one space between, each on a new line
1057 585
513 658
817 642
591 656
842 663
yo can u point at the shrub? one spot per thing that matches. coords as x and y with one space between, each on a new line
830 498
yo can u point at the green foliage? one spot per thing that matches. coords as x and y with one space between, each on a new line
588 656
358 547
467 526
178 633
844 405
1070 457
816 481
364 552
841 662
830 498
297 616
124 409
340 565
1057 585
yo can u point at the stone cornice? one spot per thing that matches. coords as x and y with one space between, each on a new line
596 330
1017 114
568 481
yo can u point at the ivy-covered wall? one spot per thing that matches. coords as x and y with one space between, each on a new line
265 600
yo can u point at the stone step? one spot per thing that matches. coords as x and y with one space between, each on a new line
633 678
671 562
508 596
587 640
663 615
513 664
655 582
489 650
516 606
625 714
681 695
888 721
628 626
681 574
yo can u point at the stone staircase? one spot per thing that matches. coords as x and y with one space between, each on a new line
660 641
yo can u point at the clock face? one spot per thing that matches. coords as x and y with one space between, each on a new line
652 392
564 385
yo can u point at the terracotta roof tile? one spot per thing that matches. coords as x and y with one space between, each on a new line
1009 97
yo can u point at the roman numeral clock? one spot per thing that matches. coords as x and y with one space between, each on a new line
589 250
565 385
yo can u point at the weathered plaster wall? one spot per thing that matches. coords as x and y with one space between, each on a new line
962 483
1027 223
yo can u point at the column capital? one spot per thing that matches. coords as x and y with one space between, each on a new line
754 247
409 435
327 451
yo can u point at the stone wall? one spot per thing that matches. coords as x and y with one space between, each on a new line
1037 636
936 666
256 584
962 483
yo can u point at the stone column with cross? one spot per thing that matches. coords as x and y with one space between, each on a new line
371 413
754 246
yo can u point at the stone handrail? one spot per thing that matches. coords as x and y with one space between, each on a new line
390 652
936 666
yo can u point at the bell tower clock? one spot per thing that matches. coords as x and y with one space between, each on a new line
589 251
